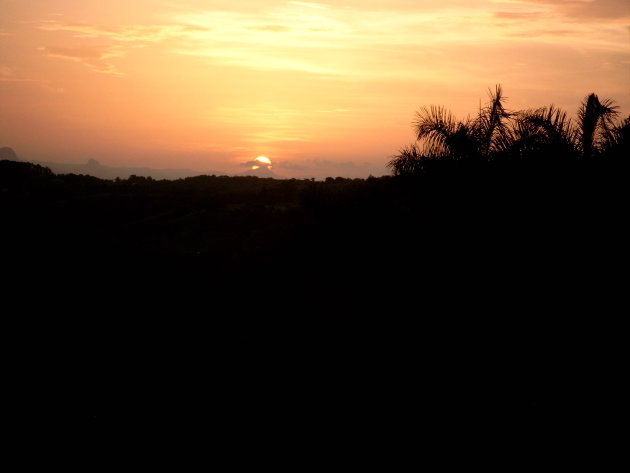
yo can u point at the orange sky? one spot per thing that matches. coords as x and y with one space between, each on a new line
321 88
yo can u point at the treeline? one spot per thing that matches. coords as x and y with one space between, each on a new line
545 136
495 282
458 209
525 206
231 219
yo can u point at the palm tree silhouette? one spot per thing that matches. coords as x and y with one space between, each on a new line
618 142
544 133
491 124
444 136
440 136
596 122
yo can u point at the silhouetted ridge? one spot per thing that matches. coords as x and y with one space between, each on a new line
476 289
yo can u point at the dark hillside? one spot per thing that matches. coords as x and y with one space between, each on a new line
497 281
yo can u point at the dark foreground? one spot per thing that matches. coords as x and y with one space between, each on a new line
472 312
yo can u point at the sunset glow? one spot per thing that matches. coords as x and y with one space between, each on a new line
325 88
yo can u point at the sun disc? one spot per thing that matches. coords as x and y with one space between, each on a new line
263 159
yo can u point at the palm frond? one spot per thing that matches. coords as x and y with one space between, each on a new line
546 129
554 122
498 133
434 126
408 161
596 119
491 120
608 113
618 140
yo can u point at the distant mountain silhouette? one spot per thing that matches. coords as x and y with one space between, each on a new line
8 154
262 171
94 168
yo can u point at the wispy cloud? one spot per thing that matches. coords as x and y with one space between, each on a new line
535 33
148 34
308 4
359 40
362 41
8 74
272 28
24 80
578 10
98 58
94 58
519 16
589 23
319 39
264 124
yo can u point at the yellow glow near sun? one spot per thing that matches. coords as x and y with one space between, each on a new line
264 161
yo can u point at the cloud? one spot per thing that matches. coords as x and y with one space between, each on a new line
23 80
359 40
249 164
271 28
508 15
265 124
571 21
8 74
334 41
94 58
293 166
129 33
309 4
601 9
542 32
585 10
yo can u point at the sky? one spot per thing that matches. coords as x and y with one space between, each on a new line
325 88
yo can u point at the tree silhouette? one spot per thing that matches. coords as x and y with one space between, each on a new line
440 136
546 131
618 143
496 133
491 124
596 121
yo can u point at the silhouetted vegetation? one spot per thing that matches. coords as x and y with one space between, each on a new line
545 135
488 263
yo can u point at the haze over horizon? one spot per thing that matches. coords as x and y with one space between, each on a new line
321 88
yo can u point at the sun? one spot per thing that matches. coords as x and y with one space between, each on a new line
264 161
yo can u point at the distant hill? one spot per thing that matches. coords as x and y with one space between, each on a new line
8 154
260 172
93 168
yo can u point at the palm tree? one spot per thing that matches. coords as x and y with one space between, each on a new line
442 135
447 137
596 120
491 125
617 144
546 131
409 160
